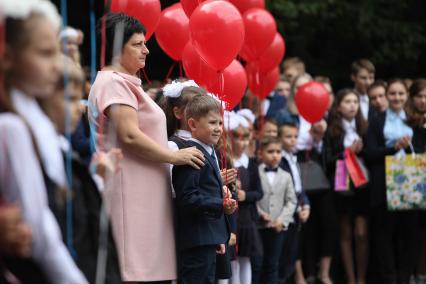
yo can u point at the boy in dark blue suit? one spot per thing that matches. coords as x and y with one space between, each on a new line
201 199
290 260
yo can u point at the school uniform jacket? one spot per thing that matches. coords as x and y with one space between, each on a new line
375 153
199 204
302 198
279 199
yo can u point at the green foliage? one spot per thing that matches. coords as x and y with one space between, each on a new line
329 33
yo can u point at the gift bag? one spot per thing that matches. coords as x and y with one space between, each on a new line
341 178
313 177
356 169
406 182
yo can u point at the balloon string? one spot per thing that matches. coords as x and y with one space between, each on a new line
2 49
92 41
170 72
103 42
146 76
180 70
261 116
250 96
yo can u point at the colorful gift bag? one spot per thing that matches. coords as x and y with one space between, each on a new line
341 178
356 169
406 182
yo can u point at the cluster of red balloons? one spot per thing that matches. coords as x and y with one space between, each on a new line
208 37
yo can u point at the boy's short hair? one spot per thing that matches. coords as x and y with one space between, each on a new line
201 105
360 64
268 140
70 73
295 62
376 84
258 122
287 124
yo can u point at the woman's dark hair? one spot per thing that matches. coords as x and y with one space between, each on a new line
415 117
113 22
169 103
335 127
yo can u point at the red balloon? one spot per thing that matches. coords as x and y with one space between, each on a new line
190 5
234 85
173 31
146 11
217 32
312 101
260 28
261 84
195 68
244 5
273 55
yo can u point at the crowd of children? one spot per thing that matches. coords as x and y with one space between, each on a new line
252 191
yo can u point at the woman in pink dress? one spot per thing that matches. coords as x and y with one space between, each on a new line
138 197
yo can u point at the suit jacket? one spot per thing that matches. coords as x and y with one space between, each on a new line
302 198
199 204
279 199
375 153
419 139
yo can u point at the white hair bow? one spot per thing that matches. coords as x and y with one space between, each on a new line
174 89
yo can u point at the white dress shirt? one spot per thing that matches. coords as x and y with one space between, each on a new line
305 140
292 161
183 134
365 105
45 135
271 177
243 161
350 132
22 183
209 149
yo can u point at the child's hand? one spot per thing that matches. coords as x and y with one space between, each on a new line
228 175
16 237
277 226
241 195
226 192
356 147
107 163
229 206
266 217
220 249
304 215
403 143
318 130
232 240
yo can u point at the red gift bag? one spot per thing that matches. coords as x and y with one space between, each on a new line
356 169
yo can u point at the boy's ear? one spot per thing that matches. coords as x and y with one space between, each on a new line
353 77
192 124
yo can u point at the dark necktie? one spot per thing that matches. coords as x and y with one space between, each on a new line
271 169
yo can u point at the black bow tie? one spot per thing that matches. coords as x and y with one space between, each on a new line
271 170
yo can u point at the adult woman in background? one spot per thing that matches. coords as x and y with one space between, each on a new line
393 232
139 196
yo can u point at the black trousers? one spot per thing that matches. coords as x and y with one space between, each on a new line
319 236
197 265
394 242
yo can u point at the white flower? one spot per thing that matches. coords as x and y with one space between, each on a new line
174 89
414 197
